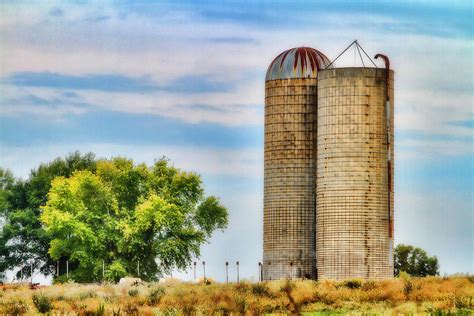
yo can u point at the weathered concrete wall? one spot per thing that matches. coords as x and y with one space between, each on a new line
352 212
289 179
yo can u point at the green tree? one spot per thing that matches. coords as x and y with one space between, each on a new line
414 261
6 182
22 236
124 214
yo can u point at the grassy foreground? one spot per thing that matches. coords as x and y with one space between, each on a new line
431 295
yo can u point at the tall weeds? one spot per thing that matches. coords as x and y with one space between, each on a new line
404 295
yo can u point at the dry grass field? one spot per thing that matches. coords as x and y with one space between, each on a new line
400 296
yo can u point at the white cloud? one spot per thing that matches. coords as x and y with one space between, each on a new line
411 149
206 161
429 70
433 74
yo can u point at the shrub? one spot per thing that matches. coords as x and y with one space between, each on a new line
471 278
293 306
407 287
369 285
133 292
42 303
131 308
461 301
155 295
407 284
14 308
242 287
60 297
241 304
100 310
353 284
115 271
261 289
323 297
88 294
62 279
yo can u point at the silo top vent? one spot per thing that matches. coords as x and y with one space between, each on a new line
298 62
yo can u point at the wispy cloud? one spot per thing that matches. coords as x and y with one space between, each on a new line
121 128
465 123
115 83
56 12
204 160
97 18
232 40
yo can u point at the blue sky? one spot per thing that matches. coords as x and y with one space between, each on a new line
185 80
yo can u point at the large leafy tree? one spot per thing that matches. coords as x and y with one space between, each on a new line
414 261
124 215
22 236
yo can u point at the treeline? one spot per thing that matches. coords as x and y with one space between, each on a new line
107 218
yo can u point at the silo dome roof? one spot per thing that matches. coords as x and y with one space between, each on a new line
298 62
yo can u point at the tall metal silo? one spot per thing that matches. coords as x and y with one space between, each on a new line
289 164
354 213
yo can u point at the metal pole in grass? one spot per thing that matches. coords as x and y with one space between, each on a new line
194 270
238 276
67 269
260 272
103 270
21 273
204 269
31 271
57 268
138 268
227 272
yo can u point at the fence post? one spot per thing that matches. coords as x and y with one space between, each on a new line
204 268
194 270
238 276
226 272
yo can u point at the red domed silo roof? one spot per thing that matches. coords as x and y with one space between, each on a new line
298 62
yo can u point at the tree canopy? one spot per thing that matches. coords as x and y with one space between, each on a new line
22 236
414 261
116 213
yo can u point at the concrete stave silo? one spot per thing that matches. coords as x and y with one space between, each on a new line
289 164
328 169
354 213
